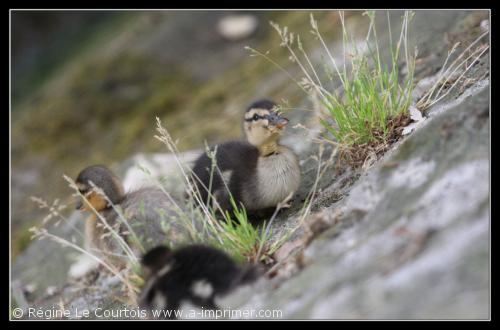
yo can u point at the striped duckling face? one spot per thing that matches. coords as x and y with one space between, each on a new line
102 178
263 124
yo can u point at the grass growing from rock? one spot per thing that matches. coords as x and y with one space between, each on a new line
373 102
240 238
373 91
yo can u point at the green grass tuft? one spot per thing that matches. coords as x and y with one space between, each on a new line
373 95
373 91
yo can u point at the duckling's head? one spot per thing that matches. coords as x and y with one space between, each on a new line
102 178
156 261
263 124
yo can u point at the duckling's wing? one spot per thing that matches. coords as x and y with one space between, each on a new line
152 218
234 155
236 161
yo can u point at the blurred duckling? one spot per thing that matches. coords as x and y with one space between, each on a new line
195 274
145 209
259 172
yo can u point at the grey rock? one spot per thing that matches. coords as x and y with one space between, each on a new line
415 242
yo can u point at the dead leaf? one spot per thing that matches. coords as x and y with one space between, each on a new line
417 117
287 248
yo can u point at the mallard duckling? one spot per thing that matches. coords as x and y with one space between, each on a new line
194 274
146 210
259 172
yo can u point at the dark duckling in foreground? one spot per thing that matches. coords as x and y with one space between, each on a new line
195 274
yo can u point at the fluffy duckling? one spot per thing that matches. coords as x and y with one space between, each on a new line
146 210
195 274
259 172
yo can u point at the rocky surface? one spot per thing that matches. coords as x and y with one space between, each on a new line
412 238
405 239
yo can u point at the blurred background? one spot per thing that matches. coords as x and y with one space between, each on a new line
87 86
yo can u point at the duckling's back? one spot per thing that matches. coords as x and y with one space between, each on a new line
152 218
236 160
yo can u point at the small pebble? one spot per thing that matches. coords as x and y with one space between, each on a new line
51 290
237 27
29 288
485 25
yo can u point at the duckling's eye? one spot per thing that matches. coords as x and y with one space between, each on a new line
256 117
